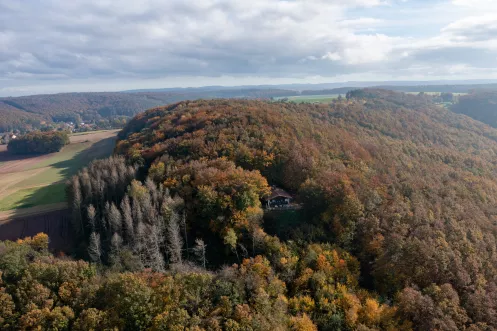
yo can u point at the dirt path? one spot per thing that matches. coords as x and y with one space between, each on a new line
6 216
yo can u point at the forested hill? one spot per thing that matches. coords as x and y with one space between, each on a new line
30 112
480 105
393 225
37 111
406 187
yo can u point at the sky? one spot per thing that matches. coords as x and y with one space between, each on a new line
51 46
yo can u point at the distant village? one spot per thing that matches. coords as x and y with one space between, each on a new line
6 137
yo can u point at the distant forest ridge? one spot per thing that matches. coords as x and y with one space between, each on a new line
327 86
34 112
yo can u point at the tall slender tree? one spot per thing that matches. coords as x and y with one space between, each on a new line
200 251
91 214
174 241
94 248
128 230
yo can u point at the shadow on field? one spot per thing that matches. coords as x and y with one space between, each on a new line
5 156
56 192
98 150
56 222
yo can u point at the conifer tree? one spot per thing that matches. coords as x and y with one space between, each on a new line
94 248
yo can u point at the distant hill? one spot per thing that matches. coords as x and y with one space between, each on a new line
480 105
329 86
32 112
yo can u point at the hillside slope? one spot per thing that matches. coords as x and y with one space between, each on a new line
407 187
27 113
30 111
12 118
480 105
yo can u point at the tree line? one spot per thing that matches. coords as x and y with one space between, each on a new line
280 291
38 142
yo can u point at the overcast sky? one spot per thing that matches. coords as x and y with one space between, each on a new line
49 46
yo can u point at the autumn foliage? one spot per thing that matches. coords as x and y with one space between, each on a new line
396 228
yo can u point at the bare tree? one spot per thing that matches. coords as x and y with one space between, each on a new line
94 247
244 250
92 214
115 248
137 212
116 243
128 231
174 241
152 247
183 225
152 189
106 221
115 219
139 242
114 181
200 251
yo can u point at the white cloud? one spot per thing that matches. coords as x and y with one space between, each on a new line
331 56
109 40
474 28
477 4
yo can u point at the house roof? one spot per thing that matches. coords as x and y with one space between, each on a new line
278 192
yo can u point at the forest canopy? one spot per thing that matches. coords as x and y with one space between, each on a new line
395 226
38 142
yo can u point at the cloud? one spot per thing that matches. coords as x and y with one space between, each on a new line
331 56
109 41
150 39
474 28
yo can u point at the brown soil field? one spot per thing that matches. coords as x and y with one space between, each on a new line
6 216
54 223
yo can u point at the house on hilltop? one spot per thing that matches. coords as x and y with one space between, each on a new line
5 138
277 198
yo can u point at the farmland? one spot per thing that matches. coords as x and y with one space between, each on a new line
328 98
30 181
436 93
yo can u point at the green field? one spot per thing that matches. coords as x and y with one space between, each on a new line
31 197
40 180
435 93
66 163
311 98
90 132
